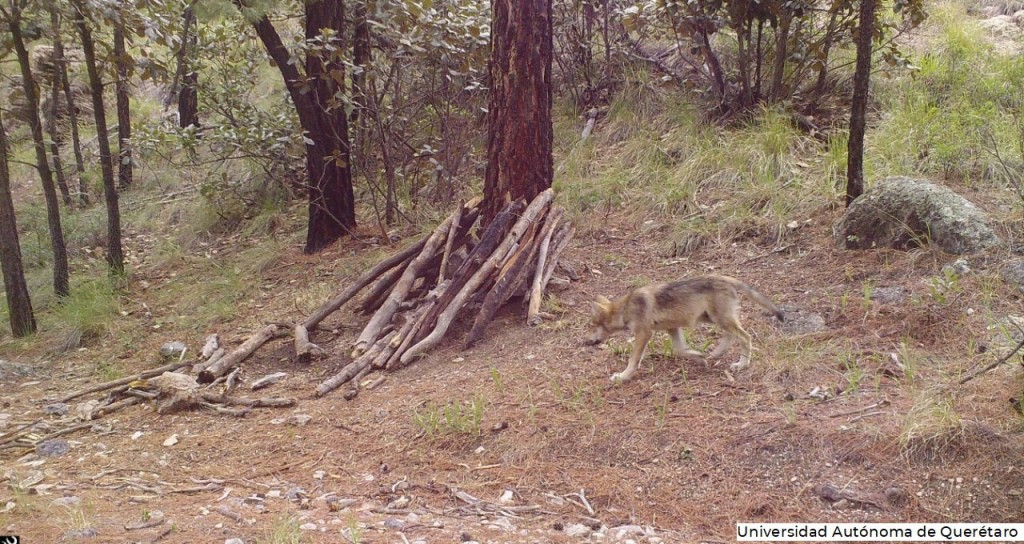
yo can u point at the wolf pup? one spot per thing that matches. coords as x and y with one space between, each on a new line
672 307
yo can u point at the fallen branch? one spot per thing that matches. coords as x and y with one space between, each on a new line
229 361
510 275
383 316
170 367
304 349
337 302
355 367
537 292
448 315
997 363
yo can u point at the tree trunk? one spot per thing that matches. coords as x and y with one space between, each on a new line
519 138
122 66
60 253
115 258
188 97
858 108
60 70
322 117
781 44
19 306
54 134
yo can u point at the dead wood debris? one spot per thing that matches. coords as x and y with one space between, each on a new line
417 298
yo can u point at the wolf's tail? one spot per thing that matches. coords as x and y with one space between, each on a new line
756 296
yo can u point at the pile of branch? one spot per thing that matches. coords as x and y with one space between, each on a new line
421 291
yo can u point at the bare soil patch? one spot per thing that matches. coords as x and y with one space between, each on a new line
857 421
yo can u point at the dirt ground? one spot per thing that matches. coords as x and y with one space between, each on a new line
849 412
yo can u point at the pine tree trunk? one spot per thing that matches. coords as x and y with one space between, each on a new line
322 117
19 306
124 117
858 108
61 72
53 132
188 99
60 255
115 257
519 138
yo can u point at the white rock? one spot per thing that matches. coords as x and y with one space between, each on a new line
507 497
171 440
577 530
308 526
503 524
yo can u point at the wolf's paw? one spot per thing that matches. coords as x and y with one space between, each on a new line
619 377
739 365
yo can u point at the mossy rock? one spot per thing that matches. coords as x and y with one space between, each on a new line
906 213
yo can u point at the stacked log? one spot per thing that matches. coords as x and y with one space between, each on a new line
414 309
419 292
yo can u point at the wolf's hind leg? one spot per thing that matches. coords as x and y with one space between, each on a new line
639 346
681 349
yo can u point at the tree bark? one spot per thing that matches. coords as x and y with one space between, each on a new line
322 117
781 45
60 71
122 67
115 257
520 135
188 98
60 254
19 305
53 133
858 107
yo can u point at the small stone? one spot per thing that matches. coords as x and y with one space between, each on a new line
85 532
56 409
173 349
508 497
171 440
622 531
234 541
841 504
480 450
300 420
394 524
503 524
66 501
52 448
577 530
308 527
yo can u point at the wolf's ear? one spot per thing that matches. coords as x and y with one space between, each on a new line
598 308
603 301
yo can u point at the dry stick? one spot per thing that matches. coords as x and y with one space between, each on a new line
383 316
267 402
537 293
337 302
993 365
412 327
448 315
489 241
229 361
125 381
355 367
115 406
442 273
379 292
375 298
560 241
511 274
305 350
198 367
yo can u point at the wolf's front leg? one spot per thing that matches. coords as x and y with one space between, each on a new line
639 346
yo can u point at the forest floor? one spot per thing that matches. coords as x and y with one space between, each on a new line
851 411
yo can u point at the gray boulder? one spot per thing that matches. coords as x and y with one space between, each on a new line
904 213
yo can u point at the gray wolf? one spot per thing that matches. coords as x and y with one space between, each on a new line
675 306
